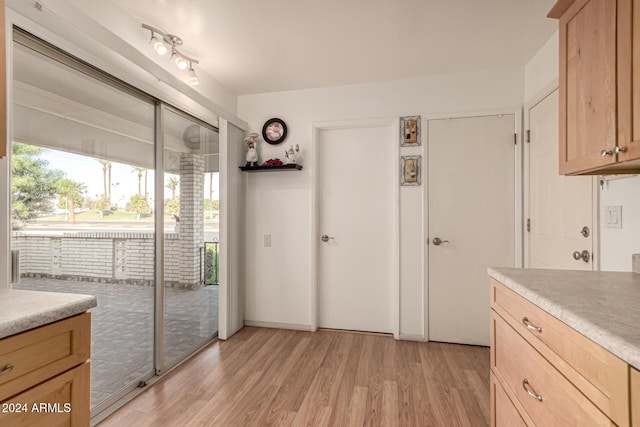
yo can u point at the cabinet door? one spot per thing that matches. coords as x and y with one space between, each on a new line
60 401
629 80
588 85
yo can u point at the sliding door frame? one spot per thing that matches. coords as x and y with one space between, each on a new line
158 318
160 367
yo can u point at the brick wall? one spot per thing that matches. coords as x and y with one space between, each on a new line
106 257
191 216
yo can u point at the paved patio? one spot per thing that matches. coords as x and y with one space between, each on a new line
122 327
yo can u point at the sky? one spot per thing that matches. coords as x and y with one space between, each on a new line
124 179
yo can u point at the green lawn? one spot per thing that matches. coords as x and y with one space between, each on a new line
108 216
95 216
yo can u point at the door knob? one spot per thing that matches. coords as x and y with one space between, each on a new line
619 150
438 241
326 238
584 255
585 231
605 153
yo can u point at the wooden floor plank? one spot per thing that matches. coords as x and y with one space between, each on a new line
389 414
340 415
268 377
358 406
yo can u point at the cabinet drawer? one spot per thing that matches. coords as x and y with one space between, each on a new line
598 374
504 413
60 401
41 353
522 368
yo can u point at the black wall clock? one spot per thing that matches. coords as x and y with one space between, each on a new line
274 131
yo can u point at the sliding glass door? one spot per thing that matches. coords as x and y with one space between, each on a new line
92 211
190 212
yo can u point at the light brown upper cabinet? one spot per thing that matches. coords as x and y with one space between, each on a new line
3 86
599 83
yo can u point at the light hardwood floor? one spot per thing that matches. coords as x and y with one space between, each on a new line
263 377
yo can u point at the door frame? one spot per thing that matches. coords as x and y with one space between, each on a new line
595 229
316 127
518 196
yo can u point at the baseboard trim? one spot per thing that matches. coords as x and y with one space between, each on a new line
278 325
308 328
410 337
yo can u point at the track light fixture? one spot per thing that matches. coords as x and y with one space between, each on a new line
182 61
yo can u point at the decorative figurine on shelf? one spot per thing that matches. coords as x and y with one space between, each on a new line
290 155
251 147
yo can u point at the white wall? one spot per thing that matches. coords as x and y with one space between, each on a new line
278 280
618 244
543 69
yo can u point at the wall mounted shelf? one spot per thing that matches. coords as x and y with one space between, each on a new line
271 168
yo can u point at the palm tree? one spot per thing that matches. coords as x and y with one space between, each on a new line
146 193
109 186
211 195
140 170
105 164
173 184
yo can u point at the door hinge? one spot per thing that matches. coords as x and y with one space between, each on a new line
528 138
515 139
528 225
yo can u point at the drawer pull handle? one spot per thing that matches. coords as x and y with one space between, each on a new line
525 322
6 369
527 387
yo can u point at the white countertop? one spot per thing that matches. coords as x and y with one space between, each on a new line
603 306
24 310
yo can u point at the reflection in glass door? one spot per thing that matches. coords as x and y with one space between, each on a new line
191 220
82 218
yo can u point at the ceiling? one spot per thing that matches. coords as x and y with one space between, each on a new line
256 46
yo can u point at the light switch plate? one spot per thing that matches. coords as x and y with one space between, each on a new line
267 240
613 217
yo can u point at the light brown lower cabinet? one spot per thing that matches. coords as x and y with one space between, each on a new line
45 375
544 373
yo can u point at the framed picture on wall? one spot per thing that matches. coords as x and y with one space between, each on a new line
411 170
410 133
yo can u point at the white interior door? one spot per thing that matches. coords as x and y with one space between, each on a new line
356 203
472 210
557 207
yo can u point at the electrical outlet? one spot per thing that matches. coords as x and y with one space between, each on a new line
267 240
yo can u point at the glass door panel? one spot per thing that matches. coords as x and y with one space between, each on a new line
82 181
191 220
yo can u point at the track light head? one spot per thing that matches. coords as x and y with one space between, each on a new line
193 79
160 47
181 63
